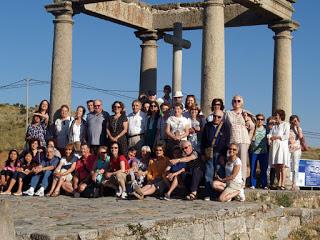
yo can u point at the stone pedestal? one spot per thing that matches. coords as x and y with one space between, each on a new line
149 55
212 82
282 66
61 73
7 230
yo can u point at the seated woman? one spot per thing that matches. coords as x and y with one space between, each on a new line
63 171
174 173
9 168
155 175
22 175
116 173
231 185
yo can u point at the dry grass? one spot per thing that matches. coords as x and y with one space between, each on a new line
310 231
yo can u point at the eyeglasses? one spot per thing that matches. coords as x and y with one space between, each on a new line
216 116
97 106
186 147
236 100
233 149
260 119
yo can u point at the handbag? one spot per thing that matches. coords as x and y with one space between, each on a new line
208 151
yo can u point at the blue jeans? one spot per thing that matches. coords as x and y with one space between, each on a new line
263 162
211 170
44 177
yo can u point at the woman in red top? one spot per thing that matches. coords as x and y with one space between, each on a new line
116 174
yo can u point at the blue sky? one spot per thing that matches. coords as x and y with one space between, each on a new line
107 56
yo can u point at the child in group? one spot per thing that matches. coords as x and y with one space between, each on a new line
22 175
9 168
174 173
63 171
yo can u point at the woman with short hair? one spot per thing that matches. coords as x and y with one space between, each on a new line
118 126
231 185
279 148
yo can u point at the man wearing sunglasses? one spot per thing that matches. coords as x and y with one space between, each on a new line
214 146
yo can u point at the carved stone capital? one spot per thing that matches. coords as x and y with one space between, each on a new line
60 8
147 35
284 28
217 3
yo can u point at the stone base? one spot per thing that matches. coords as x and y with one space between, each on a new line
109 218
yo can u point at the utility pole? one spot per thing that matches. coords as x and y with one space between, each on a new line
27 102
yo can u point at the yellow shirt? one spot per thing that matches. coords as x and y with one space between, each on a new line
157 168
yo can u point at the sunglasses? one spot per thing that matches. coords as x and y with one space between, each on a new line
116 106
260 119
97 106
103 152
216 116
236 101
186 147
153 105
216 104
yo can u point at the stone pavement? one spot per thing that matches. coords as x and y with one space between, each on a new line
109 218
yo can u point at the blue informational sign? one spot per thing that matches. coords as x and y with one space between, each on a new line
309 173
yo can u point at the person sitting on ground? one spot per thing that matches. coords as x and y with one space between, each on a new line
63 171
22 175
51 143
174 173
9 168
194 169
81 177
232 184
155 175
116 174
44 173
101 166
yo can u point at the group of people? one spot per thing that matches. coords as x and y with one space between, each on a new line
164 147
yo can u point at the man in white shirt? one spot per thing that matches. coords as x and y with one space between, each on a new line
136 126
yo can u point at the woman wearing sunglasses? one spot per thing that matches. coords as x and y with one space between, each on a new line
239 125
231 185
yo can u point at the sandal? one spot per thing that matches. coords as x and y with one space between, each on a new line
55 194
191 196
137 195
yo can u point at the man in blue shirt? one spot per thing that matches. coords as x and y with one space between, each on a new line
43 172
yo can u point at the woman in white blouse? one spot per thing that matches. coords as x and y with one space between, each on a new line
240 125
279 149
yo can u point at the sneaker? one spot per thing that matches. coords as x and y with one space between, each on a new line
40 192
119 192
252 187
207 199
166 197
29 192
242 196
124 195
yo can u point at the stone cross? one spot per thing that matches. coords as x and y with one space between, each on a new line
178 43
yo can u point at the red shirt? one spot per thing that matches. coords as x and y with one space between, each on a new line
115 163
85 165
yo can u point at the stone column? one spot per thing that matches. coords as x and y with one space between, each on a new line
282 66
177 60
148 67
61 73
212 81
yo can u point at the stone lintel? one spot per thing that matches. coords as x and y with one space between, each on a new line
128 14
60 8
287 25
